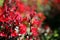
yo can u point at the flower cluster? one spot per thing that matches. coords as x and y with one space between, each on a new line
17 19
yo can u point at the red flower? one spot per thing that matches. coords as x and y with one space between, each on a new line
2 18
2 34
23 29
24 19
34 31
32 13
12 16
21 7
41 15
14 34
36 22
6 19
18 16
1 11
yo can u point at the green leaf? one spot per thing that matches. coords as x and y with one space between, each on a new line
1 2
56 33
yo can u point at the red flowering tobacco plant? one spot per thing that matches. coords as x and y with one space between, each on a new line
18 20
